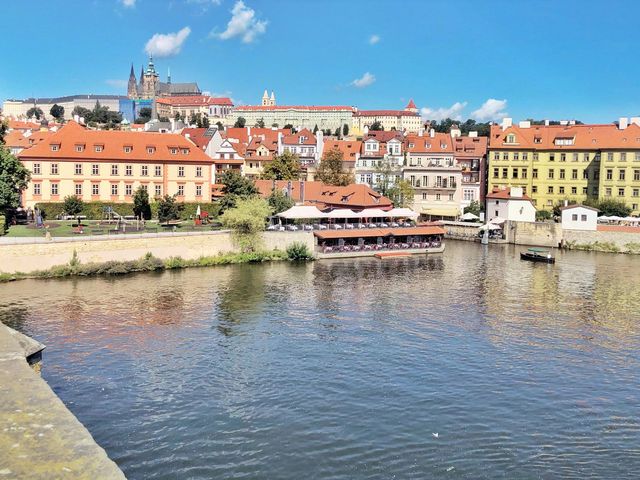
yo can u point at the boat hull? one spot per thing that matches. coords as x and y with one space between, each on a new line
379 254
530 257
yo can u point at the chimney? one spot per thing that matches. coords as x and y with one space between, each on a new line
473 134
455 132
421 132
635 120
623 123
516 192
506 123
564 122
546 123
572 122
432 133
524 124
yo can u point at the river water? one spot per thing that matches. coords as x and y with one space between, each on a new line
471 364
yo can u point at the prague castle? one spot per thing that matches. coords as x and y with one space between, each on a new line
150 87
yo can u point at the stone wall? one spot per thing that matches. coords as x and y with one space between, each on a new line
604 241
542 234
28 257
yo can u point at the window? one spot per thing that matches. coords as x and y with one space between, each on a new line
95 189
525 156
634 206
585 174
185 151
607 191
114 169
181 171
158 190
144 170
563 157
511 138
505 156
585 157
610 157
621 192
550 189
524 173
98 148
574 190
534 173
54 169
128 189
575 157
609 174
158 171
623 157
534 189
496 172
79 148
515 173
516 156
561 190
574 217
562 175
584 190
535 156
424 196
54 189
36 189
198 171
574 174
621 174
451 197
551 174
174 151
78 189
198 190
496 155
637 159
128 170
636 192
438 196
552 157
505 172
54 148
636 175
114 189
36 169
144 187
181 190
151 150
128 149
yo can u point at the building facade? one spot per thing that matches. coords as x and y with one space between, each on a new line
407 120
18 108
510 204
300 117
98 165
470 154
554 163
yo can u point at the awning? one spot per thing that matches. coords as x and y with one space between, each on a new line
378 232
343 213
441 212
302 211
401 213
373 213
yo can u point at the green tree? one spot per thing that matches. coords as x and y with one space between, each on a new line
474 207
283 167
337 132
144 115
330 170
385 177
345 130
14 177
611 207
240 122
235 187
260 123
4 128
542 215
401 194
315 129
35 112
274 125
177 117
57 112
289 126
81 112
219 125
168 209
279 201
557 208
141 207
73 205
376 126
205 122
247 220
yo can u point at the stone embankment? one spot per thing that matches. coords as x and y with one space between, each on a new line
39 438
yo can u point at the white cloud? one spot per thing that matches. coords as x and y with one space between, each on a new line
453 112
121 84
364 81
492 109
205 3
167 45
129 3
373 39
244 24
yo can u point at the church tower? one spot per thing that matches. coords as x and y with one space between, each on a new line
132 88
265 98
151 81
272 100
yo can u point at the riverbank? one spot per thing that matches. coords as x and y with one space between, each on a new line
40 438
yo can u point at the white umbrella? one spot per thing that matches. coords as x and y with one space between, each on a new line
373 213
490 226
604 218
497 220
615 218
198 211
469 216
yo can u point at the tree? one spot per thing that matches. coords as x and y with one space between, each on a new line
283 167
35 112
4 128
279 201
234 188
330 170
240 122
73 205
144 115
205 122
315 129
337 132
260 123
611 207
141 207
345 130
401 194
57 112
290 127
81 112
168 209
542 215
247 220
219 125
376 126
474 207
557 208
274 125
14 177
385 177
177 117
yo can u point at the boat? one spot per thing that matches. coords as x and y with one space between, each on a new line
537 255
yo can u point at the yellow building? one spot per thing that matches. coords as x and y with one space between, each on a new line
110 166
554 163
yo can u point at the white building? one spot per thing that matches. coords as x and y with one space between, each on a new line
510 204
579 217
407 120
324 117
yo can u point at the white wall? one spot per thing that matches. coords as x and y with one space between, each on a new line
514 210
585 219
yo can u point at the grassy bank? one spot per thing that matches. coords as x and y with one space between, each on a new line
608 247
149 263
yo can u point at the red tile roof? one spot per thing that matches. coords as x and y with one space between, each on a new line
19 125
356 196
473 147
439 143
349 148
505 194
308 138
411 105
385 113
113 143
16 139
196 135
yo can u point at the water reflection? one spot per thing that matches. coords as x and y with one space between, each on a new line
342 369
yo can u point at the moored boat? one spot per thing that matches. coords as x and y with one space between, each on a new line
541 255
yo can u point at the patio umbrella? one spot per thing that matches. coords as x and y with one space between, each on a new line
615 218
469 216
497 220
198 211
490 226
604 218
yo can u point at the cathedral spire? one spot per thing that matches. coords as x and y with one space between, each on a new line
132 75
169 75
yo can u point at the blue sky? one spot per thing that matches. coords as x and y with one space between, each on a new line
538 58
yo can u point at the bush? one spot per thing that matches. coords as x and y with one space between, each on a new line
542 215
3 225
94 210
298 251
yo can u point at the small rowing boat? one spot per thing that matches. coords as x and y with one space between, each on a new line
541 255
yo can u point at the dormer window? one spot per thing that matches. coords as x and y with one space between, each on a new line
55 147
564 141
79 148
185 151
174 151
537 139
511 138
302 139
411 145
128 149
98 148
151 150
